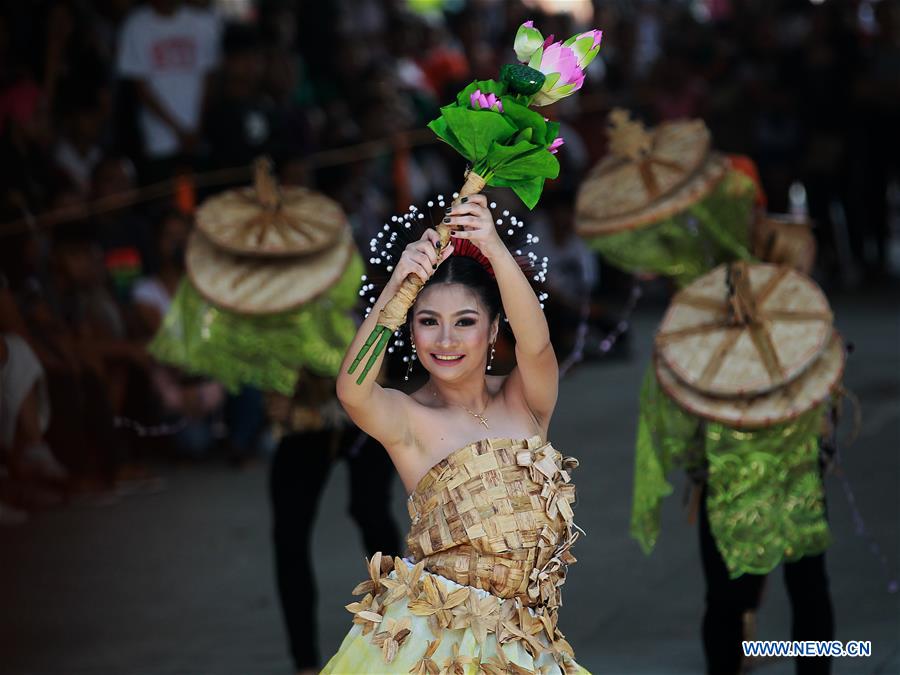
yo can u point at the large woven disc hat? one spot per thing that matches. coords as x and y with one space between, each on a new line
749 345
269 220
287 269
785 239
254 286
649 175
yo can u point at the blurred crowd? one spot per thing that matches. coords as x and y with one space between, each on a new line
102 101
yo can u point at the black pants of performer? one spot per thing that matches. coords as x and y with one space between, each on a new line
299 472
727 600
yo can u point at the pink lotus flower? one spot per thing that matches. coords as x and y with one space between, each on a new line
481 101
556 144
562 63
585 45
560 66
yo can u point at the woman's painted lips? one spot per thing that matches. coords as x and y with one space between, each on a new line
448 359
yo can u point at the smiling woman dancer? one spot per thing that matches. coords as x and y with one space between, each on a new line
490 498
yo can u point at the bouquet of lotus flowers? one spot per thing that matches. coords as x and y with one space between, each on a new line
492 124
506 142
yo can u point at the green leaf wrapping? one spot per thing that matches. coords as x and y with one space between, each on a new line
529 191
552 132
476 130
508 149
525 118
442 131
523 135
522 161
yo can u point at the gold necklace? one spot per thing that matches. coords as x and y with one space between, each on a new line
480 417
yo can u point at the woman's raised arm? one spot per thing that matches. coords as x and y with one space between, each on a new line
376 410
536 376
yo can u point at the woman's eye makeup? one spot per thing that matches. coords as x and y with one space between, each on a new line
428 321
462 321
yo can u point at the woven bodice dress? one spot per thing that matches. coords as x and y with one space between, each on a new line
479 588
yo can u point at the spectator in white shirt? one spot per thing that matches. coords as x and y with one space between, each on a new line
169 50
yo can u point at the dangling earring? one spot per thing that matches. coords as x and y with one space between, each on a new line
491 359
410 360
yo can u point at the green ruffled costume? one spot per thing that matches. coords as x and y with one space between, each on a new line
266 352
765 497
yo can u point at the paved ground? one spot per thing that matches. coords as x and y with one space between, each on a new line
180 583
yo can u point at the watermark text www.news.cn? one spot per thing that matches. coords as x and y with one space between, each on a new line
794 648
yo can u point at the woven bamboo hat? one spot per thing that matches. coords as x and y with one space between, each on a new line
749 345
785 240
744 329
255 286
264 250
782 405
648 175
268 220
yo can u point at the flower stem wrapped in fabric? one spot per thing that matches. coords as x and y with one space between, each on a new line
506 143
